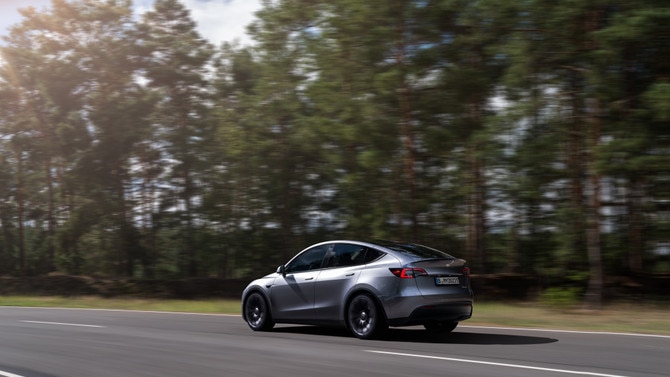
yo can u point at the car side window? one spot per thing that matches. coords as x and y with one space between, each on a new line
344 254
310 259
372 255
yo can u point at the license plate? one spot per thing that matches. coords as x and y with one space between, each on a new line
447 280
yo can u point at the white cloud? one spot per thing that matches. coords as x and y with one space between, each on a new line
223 20
9 11
217 20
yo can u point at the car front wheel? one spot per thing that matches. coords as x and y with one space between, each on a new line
257 313
364 318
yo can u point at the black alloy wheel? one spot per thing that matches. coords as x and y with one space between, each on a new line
364 318
257 313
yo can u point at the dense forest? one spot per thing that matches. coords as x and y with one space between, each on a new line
525 136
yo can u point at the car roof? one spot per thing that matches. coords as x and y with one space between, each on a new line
405 249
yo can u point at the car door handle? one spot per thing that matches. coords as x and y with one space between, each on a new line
312 278
351 274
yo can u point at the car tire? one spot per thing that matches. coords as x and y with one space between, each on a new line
440 327
257 313
365 319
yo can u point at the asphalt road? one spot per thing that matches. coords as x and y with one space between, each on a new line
100 343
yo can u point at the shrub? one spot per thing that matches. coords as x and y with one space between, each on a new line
561 297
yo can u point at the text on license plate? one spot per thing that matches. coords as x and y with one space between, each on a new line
446 280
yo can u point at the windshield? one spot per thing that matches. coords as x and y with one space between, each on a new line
415 250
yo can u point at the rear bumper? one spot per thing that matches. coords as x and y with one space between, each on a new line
451 312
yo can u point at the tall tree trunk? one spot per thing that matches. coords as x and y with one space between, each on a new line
514 263
594 293
126 234
476 209
409 159
51 218
635 189
407 129
189 254
148 226
20 199
190 240
575 166
635 225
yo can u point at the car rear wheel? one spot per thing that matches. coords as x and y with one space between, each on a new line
364 318
440 327
257 313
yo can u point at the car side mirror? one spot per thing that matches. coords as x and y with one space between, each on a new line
281 270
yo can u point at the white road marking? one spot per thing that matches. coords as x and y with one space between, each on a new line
566 331
519 366
7 374
238 315
63 324
120 310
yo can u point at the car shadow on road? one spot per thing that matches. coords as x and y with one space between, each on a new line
456 337
422 336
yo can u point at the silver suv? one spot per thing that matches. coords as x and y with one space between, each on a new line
365 286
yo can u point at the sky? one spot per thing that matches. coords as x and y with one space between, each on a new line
218 20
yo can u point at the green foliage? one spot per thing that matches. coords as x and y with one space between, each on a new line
657 99
561 297
134 147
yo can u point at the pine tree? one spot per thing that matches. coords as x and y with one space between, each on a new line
73 66
176 64
633 83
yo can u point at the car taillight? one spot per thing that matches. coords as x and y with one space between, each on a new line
466 272
408 273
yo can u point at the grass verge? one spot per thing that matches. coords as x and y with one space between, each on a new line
646 319
191 306
643 319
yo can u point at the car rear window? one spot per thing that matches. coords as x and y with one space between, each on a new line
415 250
